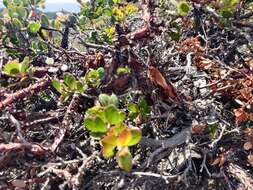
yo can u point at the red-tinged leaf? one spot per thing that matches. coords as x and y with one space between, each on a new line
121 83
129 137
124 138
246 93
116 130
156 77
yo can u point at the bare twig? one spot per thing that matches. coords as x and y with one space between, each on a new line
66 123
17 124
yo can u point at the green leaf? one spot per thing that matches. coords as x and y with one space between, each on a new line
34 27
24 65
6 3
12 68
114 100
57 85
135 136
22 12
133 108
117 129
104 99
144 107
69 80
124 159
114 116
183 8
123 70
96 125
101 72
44 20
17 24
80 87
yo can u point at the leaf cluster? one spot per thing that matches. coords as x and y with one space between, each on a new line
106 122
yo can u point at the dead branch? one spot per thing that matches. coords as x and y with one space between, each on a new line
33 148
29 91
245 179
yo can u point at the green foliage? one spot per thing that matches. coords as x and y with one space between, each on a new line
94 77
106 100
106 121
228 7
212 130
123 70
141 108
69 85
183 8
104 15
33 27
21 25
16 69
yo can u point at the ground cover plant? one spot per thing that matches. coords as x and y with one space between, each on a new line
127 94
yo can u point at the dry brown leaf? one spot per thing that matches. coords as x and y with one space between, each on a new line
203 63
248 145
120 84
191 45
156 77
240 115
196 129
216 161
250 159
248 131
246 93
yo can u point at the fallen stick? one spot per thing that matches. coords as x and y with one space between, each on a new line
33 148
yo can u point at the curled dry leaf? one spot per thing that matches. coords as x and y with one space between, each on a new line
240 115
203 63
156 77
250 159
220 160
248 145
191 45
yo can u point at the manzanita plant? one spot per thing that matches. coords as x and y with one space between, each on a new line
71 85
18 69
105 121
